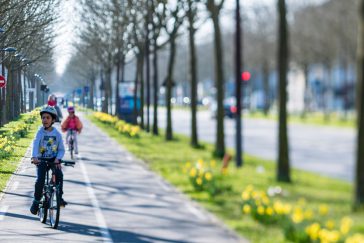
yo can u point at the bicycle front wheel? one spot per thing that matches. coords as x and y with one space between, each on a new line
54 208
43 209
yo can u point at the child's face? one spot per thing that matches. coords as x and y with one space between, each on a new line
71 113
46 120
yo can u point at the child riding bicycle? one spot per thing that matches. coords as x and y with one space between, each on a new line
47 144
72 123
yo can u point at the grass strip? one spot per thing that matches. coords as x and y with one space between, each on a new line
168 159
9 165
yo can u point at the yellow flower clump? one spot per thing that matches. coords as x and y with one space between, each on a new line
267 210
120 125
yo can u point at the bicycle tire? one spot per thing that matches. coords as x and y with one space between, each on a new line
43 210
54 208
71 148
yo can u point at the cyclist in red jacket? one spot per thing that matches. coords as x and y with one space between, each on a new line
73 123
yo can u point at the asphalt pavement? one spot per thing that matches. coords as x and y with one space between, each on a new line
327 150
113 197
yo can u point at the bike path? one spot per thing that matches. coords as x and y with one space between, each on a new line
112 197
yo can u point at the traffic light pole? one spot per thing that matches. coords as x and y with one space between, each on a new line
238 62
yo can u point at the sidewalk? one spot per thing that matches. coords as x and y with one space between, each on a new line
112 197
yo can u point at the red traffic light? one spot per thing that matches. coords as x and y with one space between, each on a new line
245 76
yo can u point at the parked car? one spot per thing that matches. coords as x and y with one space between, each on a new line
229 108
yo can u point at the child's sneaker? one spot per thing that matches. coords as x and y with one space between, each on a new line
63 203
35 207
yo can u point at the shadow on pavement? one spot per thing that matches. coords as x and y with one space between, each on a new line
88 230
16 194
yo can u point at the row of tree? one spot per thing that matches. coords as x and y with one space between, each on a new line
115 32
27 26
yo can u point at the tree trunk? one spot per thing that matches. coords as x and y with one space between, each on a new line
138 76
9 96
2 95
220 140
108 93
31 94
155 89
141 75
193 76
104 105
283 152
169 86
306 91
92 91
327 93
266 88
147 78
117 103
359 179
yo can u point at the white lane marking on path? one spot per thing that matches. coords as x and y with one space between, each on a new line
99 217
15 186
3 211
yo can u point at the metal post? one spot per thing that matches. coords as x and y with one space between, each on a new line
238 67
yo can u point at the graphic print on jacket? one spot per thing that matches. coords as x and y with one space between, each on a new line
48 147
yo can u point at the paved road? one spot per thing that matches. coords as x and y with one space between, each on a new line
328 151
112 198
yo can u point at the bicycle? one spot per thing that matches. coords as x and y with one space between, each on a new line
51 198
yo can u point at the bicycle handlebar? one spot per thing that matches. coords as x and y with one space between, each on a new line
51 160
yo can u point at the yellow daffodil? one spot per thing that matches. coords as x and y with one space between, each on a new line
249 188
200 163
269 211
245 195
323 209
224 171
246 209
345 225
356 238
193 172
199 181
260 210
208 176
313 231
297 216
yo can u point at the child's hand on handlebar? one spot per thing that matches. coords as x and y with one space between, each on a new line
35 161
58 164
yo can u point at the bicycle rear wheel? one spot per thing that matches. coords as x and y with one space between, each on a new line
54 208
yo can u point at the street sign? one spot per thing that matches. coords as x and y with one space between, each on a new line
2 81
